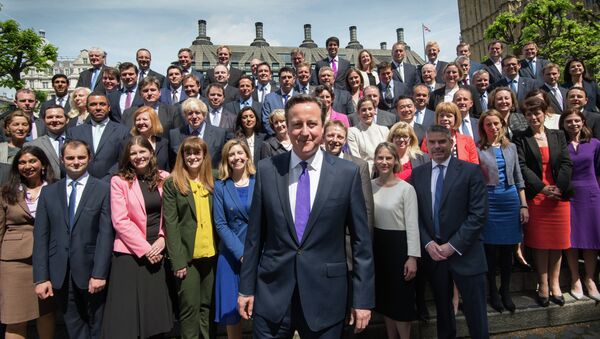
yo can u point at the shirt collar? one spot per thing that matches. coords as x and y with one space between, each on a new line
445 163
314 162
82 180
103 123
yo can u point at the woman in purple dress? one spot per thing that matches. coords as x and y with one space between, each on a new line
585 214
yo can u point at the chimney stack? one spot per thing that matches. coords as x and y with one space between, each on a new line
383 45
353 41
259 41
42 33
308 42
202 39
400 34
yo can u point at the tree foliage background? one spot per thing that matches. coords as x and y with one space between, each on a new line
21 50
562 30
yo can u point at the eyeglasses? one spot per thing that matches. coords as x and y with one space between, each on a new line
400 137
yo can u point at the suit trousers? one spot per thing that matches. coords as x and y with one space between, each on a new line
472 290
292 321
82 311
196 299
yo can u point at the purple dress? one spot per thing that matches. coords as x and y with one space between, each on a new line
585 214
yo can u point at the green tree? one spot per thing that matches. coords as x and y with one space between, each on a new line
562 30
21 50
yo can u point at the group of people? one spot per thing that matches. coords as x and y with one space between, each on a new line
139 199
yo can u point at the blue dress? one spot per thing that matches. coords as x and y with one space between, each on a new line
503 225
227 278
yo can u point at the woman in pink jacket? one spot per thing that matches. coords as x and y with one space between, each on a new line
138 303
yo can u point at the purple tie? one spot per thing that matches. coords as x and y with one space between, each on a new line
302 201
334 66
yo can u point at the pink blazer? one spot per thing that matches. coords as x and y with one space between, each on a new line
340 117
128 215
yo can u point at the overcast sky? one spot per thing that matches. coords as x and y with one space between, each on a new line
123 26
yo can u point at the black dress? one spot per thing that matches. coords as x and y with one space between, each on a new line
138 303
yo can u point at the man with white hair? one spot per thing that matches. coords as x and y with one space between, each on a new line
91 77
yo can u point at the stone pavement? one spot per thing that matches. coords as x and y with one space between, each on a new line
587 330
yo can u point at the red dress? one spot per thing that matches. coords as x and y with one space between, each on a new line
549 219
406 172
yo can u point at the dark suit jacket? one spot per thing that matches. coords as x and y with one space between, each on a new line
593 94
399 90
383 118
420 131
593 122
526 85
526 72
166 96
86 249
234 106
274 87
234 77
343 66
227 122
439 68
428 119
45 145
49 103
342 101
85 79
215 138
495 75
530 161
411 75
168 115
161 78
105 159
272 101
438 96
556 107
4 173
463 214
271 147
114 98
315 265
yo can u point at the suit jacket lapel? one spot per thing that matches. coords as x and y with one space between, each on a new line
231 191
139 197
62 198
190 200
85 196
553 150
21 202
106 135
282 181
322 195
535 149
452 172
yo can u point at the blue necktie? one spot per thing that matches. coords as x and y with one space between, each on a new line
72 203
302 201
465 128
513 86
94 78
439 188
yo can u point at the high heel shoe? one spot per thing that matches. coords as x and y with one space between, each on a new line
558 300
542 301
575 295
507 302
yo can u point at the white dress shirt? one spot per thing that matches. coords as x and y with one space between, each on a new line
215 116
434 175
314 172
97 130
81 182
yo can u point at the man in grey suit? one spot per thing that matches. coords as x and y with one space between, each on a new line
55 120
144 58
342 101
186 60
403 71
519 85
383 118
224 58
340 66
532 66
92 77
432 49
453 207
463 98
556 93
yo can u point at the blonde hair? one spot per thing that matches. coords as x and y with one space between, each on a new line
180 173
74 112
403 128
224 167
157 128
194 104
484 143
448 107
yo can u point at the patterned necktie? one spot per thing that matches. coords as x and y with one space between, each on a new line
439 188
401 72
513 86
94 78
174 97
558 97
532 67
61 141
302 211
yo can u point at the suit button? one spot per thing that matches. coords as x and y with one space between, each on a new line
298 252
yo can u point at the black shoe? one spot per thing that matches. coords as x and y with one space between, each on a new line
508 303
542 301
558 300
495 302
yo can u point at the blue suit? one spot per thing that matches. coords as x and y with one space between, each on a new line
282 272
166 96
272 101
68 256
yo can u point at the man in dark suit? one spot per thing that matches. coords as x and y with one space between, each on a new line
217 115
56 121
383 118
403 71
191 89
303 74
481 82
150 92
532 66
221 76
26 102
73 242
172 91
390 89
405 110
432 50
463 98
264 84
60 84
577 99
465 64
464 49
429 76
340 66
195 112
557 94
246 87
519 85
278 99
296 238
105 137
144 58
127 95
91 77
342 101
452 215
186 61
423 115
224 56
493 63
